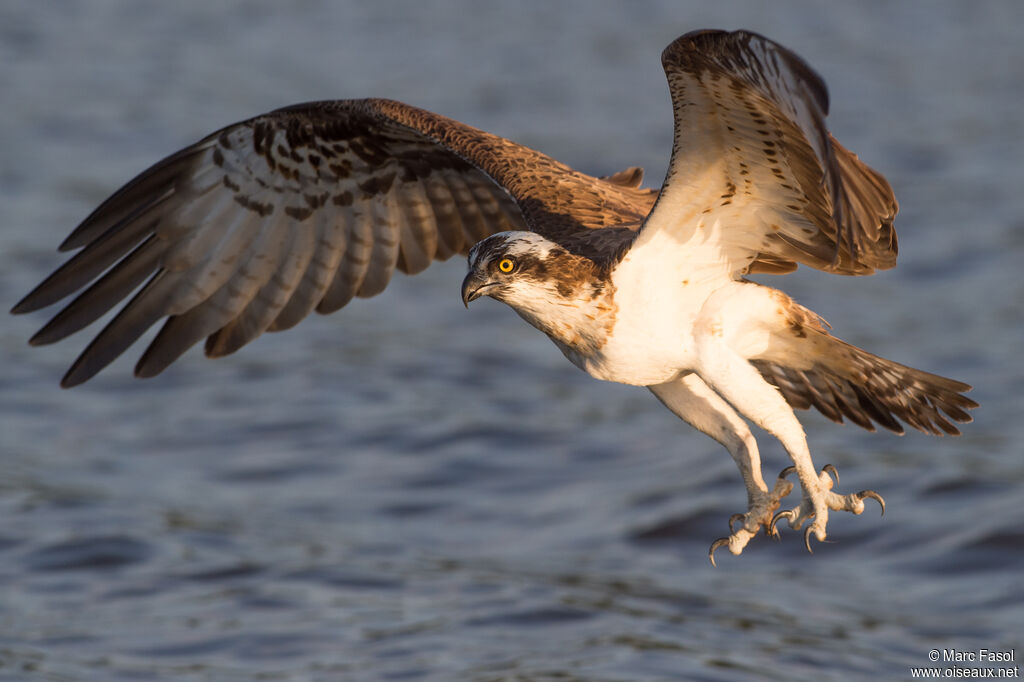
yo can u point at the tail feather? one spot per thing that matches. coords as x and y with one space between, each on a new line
846 381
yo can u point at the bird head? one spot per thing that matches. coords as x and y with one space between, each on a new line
509 267
560 293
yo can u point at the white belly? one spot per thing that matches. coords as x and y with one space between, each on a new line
652 340
655 336
664 298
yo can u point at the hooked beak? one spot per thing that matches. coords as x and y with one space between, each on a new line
473 287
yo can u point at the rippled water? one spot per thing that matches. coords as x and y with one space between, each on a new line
407 490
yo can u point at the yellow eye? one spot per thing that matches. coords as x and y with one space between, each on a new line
506 265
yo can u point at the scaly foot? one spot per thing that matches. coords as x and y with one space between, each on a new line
758 516
818 501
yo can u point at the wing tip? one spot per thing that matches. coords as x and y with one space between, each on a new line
709 43
40 297
40 338
23 306
74 240
146 369
78 374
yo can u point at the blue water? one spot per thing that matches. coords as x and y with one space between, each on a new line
407 490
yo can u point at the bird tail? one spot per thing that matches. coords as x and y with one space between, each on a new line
843 380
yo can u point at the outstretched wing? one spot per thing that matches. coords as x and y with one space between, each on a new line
754 166
255 226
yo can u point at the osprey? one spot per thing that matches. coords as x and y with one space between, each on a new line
301 209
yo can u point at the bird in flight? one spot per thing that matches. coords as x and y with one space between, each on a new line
301 209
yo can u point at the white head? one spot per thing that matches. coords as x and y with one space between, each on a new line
556 291
511 266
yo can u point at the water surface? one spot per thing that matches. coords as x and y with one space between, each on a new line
407 490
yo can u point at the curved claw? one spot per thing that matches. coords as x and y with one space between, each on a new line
787 471
733 519
832 470
720 542
807 539
775 519
874 496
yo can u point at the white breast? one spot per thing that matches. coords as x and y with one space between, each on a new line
660 291
652 339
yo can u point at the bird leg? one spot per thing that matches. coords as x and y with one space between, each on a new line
696 403
742 386
817 500
761 505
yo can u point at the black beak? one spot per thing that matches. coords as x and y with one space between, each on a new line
473 287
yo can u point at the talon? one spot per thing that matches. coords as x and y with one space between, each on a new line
832 470
787 471
720 542
874 496
775 519
807 539
733 519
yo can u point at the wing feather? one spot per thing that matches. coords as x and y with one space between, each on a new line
303 208
265 307
149 187
354 261
109 246
386 234
214 309
450 239
201 272
141 313
417 230
753 160
325 256
103 295
471 207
